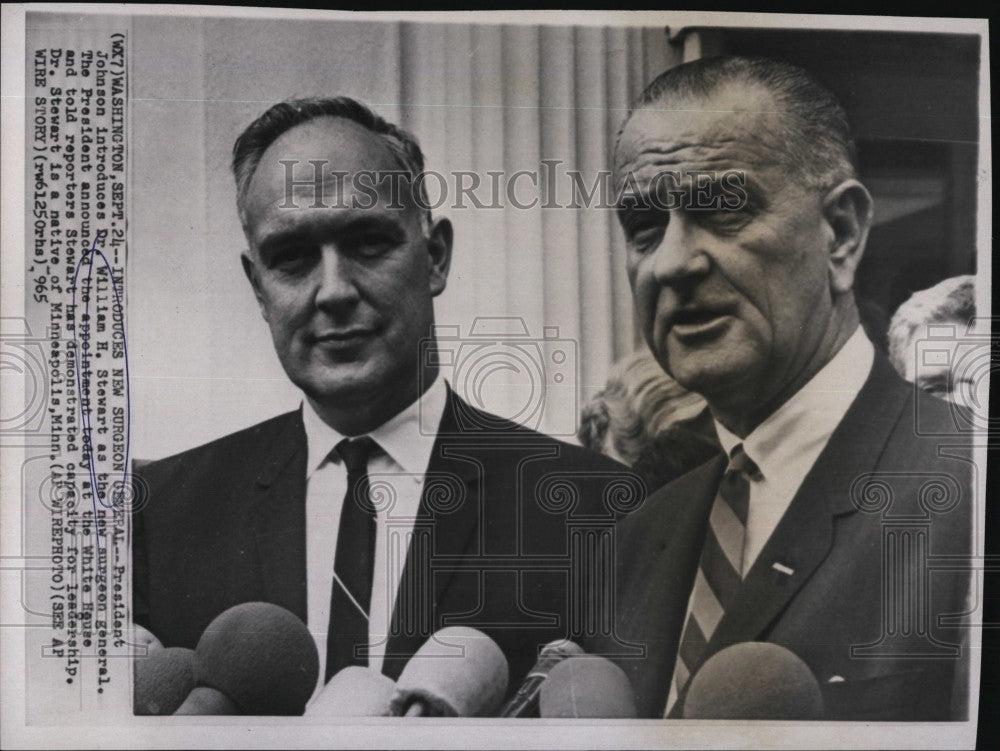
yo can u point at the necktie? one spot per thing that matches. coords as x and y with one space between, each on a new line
354 562
720 571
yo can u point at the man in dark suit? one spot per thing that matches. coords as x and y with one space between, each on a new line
386 506
831 526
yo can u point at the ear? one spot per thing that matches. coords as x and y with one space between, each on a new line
250 269
847 209
439 240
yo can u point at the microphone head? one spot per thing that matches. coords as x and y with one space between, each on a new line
145 638
354 692
754 681
524 703
458 672
163 679
261 656
560 650
587 686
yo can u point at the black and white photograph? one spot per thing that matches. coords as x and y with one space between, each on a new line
524 379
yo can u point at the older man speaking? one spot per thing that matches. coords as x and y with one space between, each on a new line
745 223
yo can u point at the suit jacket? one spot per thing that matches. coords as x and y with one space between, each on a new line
493 548
876 537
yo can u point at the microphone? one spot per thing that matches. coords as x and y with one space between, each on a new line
145 638
255 658
162 680
754 681
525 702
354 692
587 686
442 681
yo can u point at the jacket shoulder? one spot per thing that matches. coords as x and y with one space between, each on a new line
242 451
464 421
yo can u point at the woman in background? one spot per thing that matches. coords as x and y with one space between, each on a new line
645 419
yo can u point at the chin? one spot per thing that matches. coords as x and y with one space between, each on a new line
332 383
728 361
709 381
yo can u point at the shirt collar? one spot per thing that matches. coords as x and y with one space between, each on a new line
811 414
408 438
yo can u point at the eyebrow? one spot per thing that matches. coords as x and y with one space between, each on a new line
343 225
640 202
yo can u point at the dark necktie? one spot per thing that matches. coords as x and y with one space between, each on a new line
720 571
353 566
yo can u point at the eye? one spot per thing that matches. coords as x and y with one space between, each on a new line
373 244
645 229
723 219
291 258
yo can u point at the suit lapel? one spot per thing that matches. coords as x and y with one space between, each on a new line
441 530
670 531
663 541
805 534
278 509
279 516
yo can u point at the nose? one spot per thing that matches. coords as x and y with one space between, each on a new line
679 256
337 287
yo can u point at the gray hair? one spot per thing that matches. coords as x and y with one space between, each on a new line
814 134
954 298
639 402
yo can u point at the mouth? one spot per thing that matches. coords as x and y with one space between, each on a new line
343 337
698 322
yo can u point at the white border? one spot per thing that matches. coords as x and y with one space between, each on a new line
223 732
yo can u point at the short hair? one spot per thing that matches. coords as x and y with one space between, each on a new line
639 402
954 298
282 117
815 135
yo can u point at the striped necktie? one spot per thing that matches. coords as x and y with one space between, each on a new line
720 571
350 599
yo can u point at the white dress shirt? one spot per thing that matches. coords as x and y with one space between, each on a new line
787 444
406 443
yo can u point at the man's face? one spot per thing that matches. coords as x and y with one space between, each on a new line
346 290
733 303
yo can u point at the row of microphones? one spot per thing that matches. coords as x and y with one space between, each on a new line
458 672
745 681
440 682
461 672
260 659
255 658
